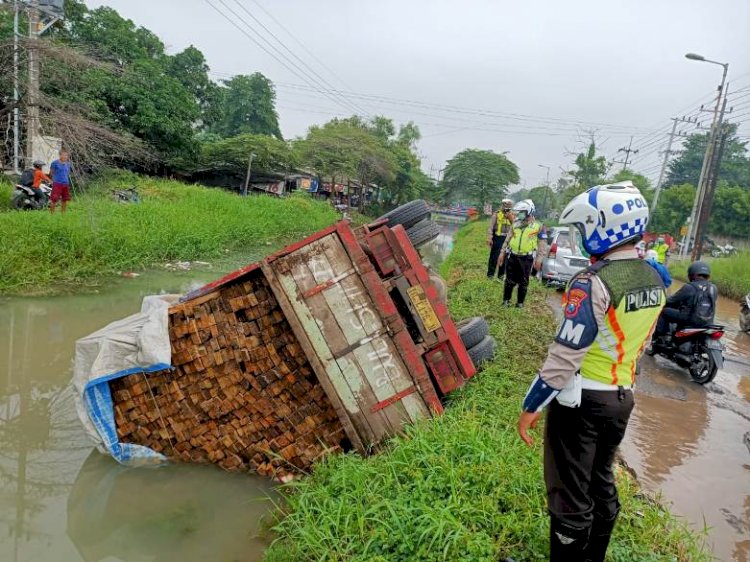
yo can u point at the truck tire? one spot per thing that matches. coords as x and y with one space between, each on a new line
423 232
483 351
408 214
472 330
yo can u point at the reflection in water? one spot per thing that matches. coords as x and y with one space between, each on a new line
438 249
43 447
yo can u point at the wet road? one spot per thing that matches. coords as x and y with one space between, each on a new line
692 443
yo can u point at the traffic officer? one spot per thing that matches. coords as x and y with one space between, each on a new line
610 310
500 226
522 243
662 250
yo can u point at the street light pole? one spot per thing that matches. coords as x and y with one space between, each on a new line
546 191
697 202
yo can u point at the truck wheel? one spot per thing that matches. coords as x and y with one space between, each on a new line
472 330
408 214
483 351
423 232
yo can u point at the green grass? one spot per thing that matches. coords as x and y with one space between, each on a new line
462 486
731 275
174 221
6 190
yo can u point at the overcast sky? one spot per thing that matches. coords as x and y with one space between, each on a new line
532 78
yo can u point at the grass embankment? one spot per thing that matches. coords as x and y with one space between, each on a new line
462 486
731 275
174 221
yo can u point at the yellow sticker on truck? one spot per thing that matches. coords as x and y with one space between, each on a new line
424 308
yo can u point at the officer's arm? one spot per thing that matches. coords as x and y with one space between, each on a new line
493 225
584 307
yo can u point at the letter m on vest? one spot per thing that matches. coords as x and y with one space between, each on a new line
571 332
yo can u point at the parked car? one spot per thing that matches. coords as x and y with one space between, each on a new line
564 259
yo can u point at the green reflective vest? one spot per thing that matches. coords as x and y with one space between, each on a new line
661 252
637 297
525 238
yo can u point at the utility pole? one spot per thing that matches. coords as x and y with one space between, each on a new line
628 151
16 96
692 221
247 177
712 176
32 110
667 153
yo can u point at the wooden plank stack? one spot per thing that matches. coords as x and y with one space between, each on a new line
242 393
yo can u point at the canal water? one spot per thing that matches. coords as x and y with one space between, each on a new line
61 500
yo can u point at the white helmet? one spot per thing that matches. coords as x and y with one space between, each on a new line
607 216
524 209
652 255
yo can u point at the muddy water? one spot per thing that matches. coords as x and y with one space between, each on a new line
691 444
60 500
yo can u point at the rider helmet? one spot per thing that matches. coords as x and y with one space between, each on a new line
37 164
607 216
523 210
699 268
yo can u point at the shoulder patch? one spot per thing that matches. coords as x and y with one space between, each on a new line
578 328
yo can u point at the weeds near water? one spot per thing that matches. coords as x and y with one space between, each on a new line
174 221
462 486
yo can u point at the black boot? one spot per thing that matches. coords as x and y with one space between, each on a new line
601 531
566 543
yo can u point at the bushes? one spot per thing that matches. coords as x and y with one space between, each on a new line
173 222
462 486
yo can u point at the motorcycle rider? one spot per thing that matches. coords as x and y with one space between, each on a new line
694 304
609 311
39 177
500 225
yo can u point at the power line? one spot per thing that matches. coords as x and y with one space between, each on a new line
287 49
266 50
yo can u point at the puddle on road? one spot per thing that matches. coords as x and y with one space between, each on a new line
63 501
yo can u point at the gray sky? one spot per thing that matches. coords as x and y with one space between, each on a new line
532 78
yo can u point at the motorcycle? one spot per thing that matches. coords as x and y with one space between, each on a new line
126 195
723 251
23 197
699 350
745 314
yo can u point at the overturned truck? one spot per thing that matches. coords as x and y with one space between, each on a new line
332 344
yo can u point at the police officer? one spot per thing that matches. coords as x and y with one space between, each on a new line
662 250
500 226
610 310
522 245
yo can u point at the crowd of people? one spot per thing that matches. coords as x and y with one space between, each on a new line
611 309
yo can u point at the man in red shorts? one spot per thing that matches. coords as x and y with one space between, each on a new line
60 172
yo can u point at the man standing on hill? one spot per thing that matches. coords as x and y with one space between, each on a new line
60 172
500 225
610 310
523 245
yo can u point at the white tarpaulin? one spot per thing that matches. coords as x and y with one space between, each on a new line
136 344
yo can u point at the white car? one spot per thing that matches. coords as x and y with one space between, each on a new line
564 258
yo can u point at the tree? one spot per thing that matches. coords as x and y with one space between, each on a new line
345 150
189 67
639 180
479 176
590 170
247 106
686 167
674 208
230 155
